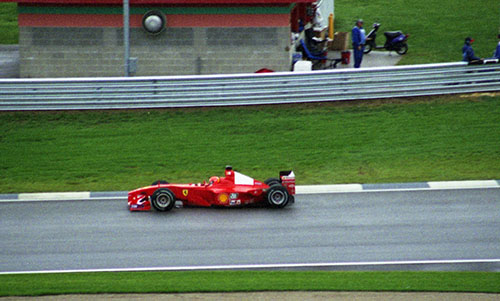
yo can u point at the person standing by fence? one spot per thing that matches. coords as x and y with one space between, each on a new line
468 52
358 42
497 50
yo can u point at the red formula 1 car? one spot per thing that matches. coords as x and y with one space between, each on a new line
234 189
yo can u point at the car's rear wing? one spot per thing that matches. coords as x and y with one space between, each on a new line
287 178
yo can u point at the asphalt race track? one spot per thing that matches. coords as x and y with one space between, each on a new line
321 228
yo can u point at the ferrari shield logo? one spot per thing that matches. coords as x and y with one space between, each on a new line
185 192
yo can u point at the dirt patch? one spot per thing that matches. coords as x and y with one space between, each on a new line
289 296
481 94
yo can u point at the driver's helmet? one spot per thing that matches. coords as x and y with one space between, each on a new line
214 180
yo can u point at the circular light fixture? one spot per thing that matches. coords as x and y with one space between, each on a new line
154 22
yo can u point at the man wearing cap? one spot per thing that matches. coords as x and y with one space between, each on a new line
358 42
497 51
468 52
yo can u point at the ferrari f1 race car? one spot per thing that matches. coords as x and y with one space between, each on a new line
234 189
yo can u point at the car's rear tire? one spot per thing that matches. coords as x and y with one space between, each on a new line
163 199
277 196
159 182
272 181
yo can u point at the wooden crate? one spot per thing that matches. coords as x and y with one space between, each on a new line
341 41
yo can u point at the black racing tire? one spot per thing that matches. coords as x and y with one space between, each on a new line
163 199
159 182
368 48
402 49
272 181
277 196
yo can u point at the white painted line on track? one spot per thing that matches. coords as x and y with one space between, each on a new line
355 188
57 196
462 184
61 199
87 198
417 189
300 190
266 266
312 189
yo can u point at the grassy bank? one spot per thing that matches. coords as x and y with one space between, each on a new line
243 281
9 32
437 28
448 138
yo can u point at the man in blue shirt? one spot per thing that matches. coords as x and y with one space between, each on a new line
358 42
497 51
468 52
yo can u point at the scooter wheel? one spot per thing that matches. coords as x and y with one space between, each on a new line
368 48
402 49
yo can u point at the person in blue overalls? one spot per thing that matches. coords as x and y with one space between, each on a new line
468 52
358 42
497 51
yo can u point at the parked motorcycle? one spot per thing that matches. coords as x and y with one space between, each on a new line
394 41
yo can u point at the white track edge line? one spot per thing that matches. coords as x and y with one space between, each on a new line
63 200
25 197
263 266
54 195
402 189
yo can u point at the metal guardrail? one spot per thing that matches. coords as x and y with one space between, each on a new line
247 89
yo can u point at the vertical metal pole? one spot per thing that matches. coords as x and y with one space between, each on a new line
126 34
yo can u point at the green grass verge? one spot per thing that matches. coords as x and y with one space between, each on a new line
9 31
437 28
243 281
444 138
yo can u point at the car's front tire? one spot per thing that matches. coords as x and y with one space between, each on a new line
277 196
163 199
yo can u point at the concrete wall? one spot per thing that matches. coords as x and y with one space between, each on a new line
98 51
9 61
